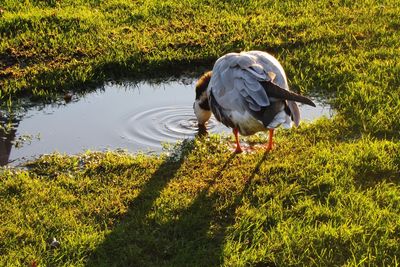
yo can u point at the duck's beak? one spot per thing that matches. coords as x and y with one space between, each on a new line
202 130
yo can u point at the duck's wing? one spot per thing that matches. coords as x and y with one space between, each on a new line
236 77
257 79
278 87
220 113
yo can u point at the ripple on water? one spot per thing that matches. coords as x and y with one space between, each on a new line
152 127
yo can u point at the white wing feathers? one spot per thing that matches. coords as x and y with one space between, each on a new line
243 73
236 81
239 86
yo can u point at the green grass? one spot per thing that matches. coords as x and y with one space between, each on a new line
204 206
328 195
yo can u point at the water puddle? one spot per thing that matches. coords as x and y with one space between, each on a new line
135 117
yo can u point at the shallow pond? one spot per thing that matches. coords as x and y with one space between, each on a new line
132 116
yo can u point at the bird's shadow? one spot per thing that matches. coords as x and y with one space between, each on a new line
138 240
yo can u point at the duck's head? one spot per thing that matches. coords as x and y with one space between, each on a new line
201 106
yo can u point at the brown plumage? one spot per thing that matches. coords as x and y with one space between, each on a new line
202 83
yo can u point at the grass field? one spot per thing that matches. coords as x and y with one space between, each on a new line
328 195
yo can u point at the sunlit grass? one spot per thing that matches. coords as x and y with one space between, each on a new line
346 49
315 200
328 195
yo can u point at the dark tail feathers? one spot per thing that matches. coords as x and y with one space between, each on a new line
274 90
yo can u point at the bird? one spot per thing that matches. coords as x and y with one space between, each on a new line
248 92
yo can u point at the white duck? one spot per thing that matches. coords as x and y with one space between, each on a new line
248 92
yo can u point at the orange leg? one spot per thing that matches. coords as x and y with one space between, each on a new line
238 148
270 143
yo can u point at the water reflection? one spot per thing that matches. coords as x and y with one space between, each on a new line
8 129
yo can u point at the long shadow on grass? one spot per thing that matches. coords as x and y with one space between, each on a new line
194 239
134 238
